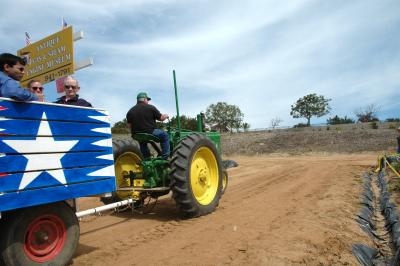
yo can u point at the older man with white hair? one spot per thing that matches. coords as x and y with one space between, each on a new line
71 97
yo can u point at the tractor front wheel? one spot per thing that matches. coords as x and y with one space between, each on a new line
196 175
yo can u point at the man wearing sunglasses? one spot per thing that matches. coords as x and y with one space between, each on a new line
71 97
36 87
12 70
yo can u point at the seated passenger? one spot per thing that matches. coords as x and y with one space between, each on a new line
142 118
12 70
36 87
71 97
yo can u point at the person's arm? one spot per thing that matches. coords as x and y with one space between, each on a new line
163 117
13 90
128 121
40 97
157 115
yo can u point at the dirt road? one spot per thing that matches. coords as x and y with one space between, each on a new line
286 210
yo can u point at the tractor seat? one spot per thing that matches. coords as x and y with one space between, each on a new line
145 137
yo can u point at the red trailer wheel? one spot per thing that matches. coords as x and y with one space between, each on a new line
45 238
40 235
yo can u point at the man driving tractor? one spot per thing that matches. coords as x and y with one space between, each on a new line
142 118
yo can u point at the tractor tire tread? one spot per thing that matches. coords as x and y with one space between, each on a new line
180 176
119 147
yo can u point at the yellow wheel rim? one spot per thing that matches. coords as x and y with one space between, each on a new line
204 175
128 161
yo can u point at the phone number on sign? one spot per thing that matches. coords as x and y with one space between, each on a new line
57 74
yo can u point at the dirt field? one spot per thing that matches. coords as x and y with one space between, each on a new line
277 210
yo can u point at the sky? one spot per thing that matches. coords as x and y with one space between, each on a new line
260 55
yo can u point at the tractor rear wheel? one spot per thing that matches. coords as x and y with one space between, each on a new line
127 158
196 175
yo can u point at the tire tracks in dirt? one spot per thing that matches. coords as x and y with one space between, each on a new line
289 210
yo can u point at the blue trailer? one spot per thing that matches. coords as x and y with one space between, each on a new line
50 154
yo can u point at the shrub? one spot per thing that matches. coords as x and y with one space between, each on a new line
300 125
396 165
120 131
392 120
374 125
338 120
368 113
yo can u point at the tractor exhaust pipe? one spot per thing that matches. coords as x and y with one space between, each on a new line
178 118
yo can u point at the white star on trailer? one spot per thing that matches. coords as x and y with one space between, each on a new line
37 145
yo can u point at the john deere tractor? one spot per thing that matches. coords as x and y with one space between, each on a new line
194 171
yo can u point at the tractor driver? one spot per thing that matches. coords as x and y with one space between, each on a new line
142 118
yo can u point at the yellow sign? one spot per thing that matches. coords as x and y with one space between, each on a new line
49 58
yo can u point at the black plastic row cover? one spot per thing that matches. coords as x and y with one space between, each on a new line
229 164
367 198
366 227
388 210
364 254
396 259
364 218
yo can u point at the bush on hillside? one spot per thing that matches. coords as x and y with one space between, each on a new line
336 120
374 125
392 120
300 125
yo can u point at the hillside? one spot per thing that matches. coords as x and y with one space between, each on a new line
350 138
338 139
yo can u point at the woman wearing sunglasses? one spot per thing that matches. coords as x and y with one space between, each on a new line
36 87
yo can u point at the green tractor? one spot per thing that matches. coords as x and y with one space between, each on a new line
194 171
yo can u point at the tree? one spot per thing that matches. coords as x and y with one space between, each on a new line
336 120
309 106
224 117
367 113
392 119
275 122
246 126
120 127
187 122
